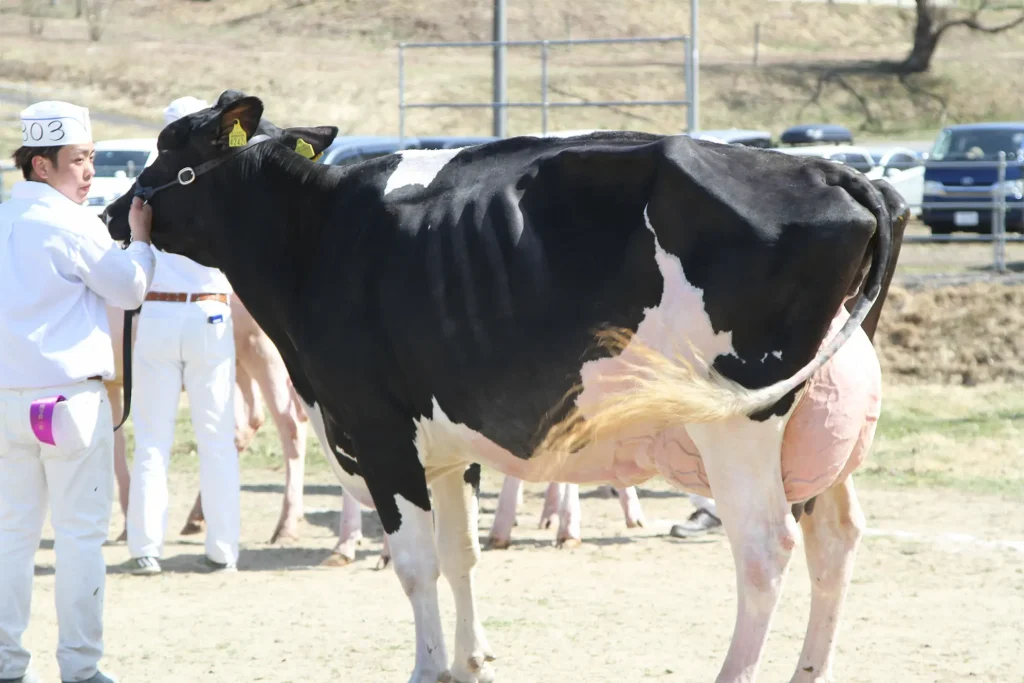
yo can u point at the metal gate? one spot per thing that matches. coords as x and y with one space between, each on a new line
545 103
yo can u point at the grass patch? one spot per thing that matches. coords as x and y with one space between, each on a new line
965 438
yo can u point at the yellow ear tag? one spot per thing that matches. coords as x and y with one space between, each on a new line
237 137
305 149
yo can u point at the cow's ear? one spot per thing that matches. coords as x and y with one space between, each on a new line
238 122
228 97
309 142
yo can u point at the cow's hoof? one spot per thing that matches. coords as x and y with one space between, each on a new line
634 523
476 669
193 527
337 560
123 537
547 521
494 543
569 543
284 536
383 561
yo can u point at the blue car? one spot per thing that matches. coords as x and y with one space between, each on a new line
969 182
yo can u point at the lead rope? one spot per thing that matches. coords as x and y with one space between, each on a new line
126 357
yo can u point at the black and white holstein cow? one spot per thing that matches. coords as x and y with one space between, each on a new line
598 309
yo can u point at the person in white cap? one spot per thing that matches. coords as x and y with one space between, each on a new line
59 268
184 337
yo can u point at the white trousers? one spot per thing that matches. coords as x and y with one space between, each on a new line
177 344
77 481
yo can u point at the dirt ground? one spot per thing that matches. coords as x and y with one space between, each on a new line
628 605
959 335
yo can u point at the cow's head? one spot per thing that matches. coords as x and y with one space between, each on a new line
218 144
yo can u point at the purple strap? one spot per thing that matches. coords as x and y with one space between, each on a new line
41 413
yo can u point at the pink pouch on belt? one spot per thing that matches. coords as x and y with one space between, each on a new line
41 414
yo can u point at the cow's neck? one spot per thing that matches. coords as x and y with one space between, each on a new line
272 224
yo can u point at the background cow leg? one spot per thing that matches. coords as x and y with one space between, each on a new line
456 510
291 422
350 532
552 502
569 514
120 458
505 514
743 460
630 503
832 533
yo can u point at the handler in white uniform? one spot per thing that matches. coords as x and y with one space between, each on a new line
184 337
58 267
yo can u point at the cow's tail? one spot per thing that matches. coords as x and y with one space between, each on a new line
656 390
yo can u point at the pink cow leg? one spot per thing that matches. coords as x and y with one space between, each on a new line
121 471
569 514
511 495
832 533
630 503
553 496
350 532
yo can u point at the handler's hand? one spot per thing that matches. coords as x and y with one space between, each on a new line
140 220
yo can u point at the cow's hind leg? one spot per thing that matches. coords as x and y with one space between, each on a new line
569 518
743 461
553 496
630 503
350 532
832 533
456 509
505 514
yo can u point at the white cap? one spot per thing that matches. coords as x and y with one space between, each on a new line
183 106
54 123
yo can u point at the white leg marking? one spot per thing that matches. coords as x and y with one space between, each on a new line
569 514
418 167
416 565
458 549
350 531
505 514
831 535
743 459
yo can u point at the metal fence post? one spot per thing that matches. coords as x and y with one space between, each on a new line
688 77
401 94
999 215
544 87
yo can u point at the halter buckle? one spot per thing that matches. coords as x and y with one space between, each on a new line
186 176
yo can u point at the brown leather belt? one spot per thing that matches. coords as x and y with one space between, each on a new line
182 297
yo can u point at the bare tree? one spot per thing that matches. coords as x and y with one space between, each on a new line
95 12
35 20
933 22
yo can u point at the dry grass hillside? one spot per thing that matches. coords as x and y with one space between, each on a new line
335 61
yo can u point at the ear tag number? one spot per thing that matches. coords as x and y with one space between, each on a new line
237 137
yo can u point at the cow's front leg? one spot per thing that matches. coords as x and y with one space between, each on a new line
350 532
458 548
398 485
832 532
505 514
569 514
743 460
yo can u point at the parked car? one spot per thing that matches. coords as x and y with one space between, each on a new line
118 163
816 134
967 181
736 136
351 149
857 157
